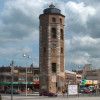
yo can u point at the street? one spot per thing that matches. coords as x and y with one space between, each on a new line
36 97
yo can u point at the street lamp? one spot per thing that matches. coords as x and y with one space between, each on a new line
24 55
12 76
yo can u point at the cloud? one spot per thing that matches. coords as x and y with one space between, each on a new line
77 16
82 33
91 2
19 19
19 29
82 50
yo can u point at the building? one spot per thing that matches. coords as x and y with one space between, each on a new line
70 77
19 82
52 50
93 78
79 79
87 67
90 76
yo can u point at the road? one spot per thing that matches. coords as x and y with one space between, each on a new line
8 97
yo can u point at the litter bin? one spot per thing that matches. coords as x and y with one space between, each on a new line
0 97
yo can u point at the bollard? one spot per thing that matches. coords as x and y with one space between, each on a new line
0 97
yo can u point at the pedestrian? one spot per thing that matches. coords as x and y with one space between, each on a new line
63 91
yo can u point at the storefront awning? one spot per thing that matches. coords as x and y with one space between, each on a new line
36 83
16 83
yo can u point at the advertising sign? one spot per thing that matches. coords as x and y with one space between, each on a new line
72 89
83 82
95 82
88 82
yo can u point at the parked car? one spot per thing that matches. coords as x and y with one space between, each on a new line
87 91
14 92
81 90
46 93
2 91
93 90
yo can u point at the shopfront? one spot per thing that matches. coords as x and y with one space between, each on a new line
20 86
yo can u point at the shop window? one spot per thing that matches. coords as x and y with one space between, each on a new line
15 79
29 71
54 67
30 79
22 78
53 32
36 71
36 79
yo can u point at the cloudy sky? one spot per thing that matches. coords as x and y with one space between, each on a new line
19 31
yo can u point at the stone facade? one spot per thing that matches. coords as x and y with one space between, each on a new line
52 51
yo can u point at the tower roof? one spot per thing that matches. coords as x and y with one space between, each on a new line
52 10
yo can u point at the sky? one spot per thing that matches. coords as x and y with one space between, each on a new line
19 31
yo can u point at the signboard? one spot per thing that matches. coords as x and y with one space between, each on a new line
89 82
61 83
83 81
53 78
95 82
72 89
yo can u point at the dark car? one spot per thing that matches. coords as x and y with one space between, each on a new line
81 90
47 94
8 91
14 92
93 90
2 91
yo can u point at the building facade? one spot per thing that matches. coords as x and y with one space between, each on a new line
52 50
19 80
70 77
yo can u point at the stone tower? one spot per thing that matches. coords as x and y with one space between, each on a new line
52 50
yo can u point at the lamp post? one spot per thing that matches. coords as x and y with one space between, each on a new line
24 55
12 76
79 80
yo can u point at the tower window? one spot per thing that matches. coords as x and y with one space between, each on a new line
54 67
53 19
60 20
61 50
61 34
44 49
53 32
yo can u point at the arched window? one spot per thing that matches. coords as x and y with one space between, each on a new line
53 32
53 19
60 20
53 67
61 50
61 32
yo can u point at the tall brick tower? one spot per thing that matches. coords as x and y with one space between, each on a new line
52 50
